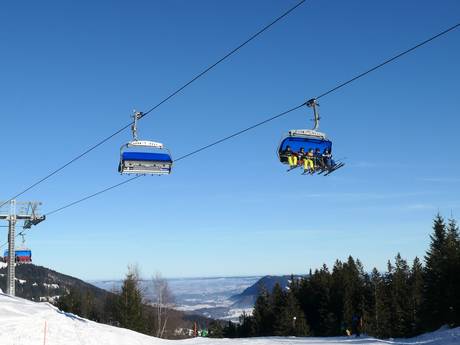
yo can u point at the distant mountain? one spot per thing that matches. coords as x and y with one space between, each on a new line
39 283
248 297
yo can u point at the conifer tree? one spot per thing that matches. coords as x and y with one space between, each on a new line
353 290
263 315
416 299
337 295
453 273
245 327
401 294
216 330
435 308
71 302
372 313
383 304
230 330
278 305
130 307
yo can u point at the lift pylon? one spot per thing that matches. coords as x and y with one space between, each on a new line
22 211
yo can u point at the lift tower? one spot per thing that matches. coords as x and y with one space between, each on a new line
27 212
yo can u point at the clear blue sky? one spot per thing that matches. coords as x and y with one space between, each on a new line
72 71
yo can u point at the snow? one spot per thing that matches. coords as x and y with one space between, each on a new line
51 286
24 322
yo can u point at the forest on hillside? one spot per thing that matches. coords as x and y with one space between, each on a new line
404 301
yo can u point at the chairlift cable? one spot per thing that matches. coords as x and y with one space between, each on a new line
198 76
267 120
387 61
224 57
180 158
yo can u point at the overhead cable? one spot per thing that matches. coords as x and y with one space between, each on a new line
268 119
180 89
286 112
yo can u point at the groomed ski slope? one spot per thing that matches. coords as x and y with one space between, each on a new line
23 322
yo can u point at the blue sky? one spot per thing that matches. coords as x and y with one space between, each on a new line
71 73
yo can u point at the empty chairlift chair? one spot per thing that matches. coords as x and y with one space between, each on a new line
143 156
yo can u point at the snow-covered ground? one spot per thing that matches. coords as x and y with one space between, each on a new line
30 323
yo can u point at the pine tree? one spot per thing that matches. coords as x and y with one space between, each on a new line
435 287
401 293
246 326
291 321
230 330
130 307
215 329
453 273
353 290
369 304
263 315
372 313
71 302
337 296
416 299
278 305
383 322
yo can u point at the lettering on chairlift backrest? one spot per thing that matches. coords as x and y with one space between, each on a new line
307 132
146 143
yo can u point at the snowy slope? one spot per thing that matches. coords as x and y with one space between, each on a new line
23 323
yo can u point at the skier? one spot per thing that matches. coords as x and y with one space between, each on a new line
291 156
308 164
327 159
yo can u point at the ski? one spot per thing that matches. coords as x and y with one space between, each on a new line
337 166
293 168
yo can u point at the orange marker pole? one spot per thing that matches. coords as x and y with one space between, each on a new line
44 335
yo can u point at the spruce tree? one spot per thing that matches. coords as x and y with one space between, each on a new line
372 313
453 273
263 315
435 288
278 305
401 294
130 307
353 290
291 321
337 296
215 329
416 299
383 322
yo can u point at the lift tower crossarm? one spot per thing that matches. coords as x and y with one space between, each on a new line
28 213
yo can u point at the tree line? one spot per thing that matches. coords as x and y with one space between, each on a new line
404 301
129 307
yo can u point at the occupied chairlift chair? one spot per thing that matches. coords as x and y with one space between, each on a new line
307 139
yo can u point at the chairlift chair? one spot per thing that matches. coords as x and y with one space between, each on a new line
144 156
307 139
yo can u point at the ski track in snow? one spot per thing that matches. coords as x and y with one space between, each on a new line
22 322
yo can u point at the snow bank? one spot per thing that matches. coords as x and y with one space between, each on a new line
24 322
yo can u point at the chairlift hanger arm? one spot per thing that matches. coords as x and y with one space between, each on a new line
313 103
136 116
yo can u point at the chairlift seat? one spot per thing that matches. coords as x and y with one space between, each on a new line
146 156
296 143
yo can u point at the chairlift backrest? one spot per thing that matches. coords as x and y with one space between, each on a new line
296 143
